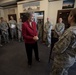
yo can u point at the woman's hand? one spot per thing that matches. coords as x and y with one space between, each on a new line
35 38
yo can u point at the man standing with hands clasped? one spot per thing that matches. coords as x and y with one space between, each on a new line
30 36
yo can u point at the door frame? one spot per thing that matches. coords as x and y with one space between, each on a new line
60 12
43 22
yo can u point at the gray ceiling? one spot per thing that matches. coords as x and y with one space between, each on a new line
4 3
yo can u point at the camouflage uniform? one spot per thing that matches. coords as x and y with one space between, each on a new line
46 28
49 35
59 28
64 52
13 29
4 30
19 26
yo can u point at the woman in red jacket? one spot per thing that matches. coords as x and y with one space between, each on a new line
29 32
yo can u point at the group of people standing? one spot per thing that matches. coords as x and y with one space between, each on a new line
31 35
10 30
64 49
3 30
58 31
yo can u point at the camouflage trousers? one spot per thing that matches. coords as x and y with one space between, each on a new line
5 36
59 68
44 36
20 35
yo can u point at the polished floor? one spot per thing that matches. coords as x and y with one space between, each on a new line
13 60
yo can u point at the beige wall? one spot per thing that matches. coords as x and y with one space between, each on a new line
8 11
50 9
53 9
75 4
1 12
20 10
43 7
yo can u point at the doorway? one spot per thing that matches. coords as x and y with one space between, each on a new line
13 15
39 19
64 15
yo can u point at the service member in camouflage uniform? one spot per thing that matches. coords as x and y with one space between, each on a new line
65 48
46 28
59 27
12 25
49 36
58 31
19 26
4 30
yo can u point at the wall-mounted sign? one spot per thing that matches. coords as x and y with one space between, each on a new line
52 0
31 6
68 4
31 0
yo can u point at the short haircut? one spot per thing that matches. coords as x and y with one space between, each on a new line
28 15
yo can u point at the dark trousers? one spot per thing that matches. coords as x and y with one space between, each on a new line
0 39
29 50
53 41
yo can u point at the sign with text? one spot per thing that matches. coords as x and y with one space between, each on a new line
31 6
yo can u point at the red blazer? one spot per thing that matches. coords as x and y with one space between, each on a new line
29 32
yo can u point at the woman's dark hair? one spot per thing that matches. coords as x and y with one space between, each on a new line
27 15
73 13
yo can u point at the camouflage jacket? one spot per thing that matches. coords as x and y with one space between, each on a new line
12 22
19 26
3 26
47 26
67 43
59 28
